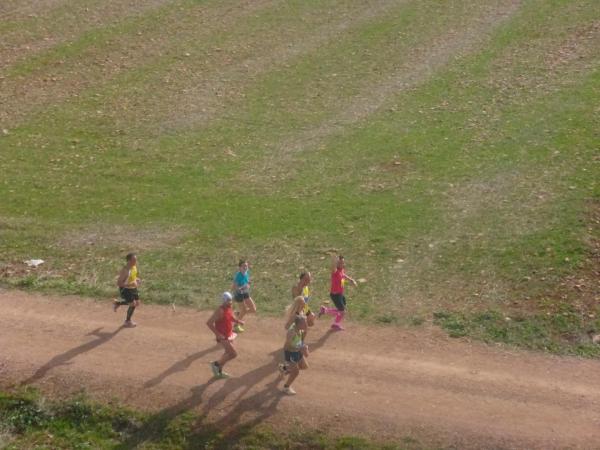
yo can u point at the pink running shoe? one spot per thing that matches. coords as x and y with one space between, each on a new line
321 311
337 327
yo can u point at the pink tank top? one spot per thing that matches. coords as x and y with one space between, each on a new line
337 285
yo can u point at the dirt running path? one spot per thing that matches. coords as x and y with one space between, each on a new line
380 382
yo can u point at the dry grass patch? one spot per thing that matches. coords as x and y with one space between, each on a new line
385 176
545 64
580 44
514 192
126 238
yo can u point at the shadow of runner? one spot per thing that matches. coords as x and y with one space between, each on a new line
261 404
246 382
66 357
314 346
230 428
154 428
254 377
179 366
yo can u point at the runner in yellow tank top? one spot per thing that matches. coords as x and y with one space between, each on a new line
132 278
128 283
301 296
306 297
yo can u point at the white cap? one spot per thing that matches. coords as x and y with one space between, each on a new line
226 296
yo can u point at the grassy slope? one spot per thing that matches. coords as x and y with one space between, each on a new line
465 192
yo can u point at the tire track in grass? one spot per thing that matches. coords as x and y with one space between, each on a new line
456 16
418 68
198 104
300 49
44 28
20 9
199 87
122 47
195 88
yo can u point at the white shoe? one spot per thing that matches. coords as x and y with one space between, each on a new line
289 390
130 324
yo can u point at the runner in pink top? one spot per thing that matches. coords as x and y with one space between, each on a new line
338 279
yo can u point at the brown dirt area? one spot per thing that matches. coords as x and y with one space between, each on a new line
384 383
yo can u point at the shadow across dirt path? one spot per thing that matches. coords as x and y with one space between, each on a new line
101 337
251 406
376 382
179 366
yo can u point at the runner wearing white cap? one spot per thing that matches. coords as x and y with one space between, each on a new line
221 323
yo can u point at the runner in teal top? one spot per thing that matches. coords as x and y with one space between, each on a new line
241 289
242 279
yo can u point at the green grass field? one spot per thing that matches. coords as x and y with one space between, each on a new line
450 149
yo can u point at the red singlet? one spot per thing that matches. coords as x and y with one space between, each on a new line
224 325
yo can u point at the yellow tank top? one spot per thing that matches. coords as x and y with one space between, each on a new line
306 295
305 292
133 275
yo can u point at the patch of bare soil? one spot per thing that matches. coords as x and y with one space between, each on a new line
383 383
